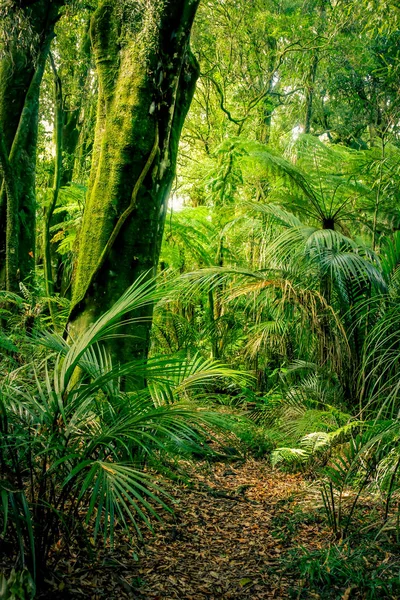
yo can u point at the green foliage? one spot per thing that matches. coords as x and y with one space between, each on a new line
288 253
255 440
18 586
341 567
188 239
71 204
73 444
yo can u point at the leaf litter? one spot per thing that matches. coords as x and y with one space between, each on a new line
227 538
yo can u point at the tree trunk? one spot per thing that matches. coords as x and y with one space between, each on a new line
58 171
321 6
79 88
21 70
147 76
310 92
77 99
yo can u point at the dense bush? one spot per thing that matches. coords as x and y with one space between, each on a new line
77 432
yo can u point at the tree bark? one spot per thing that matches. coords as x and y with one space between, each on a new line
79 89
21 71
10 191
58 172
310 92
77 97
147 76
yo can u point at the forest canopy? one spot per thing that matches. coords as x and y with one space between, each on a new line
200 266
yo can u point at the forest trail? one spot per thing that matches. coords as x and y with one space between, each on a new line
231 536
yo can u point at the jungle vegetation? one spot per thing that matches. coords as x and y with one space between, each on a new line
199 250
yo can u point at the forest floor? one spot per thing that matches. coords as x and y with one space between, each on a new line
234 534
240 531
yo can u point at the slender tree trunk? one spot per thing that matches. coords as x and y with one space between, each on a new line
20 211
12 229
84 145
378 195
321 6
268 105
147 76
49 209
265 130
72 122
310 93
77 99
21 71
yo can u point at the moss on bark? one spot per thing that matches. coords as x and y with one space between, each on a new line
147 77
19 114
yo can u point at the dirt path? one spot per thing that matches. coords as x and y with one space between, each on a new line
227 547
229 538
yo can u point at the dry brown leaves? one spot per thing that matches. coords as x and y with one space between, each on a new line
221 547
228 545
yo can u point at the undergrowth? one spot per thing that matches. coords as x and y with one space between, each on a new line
367 570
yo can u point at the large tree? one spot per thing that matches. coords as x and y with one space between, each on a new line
147 76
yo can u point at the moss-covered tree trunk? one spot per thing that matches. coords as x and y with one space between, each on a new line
76 103
54 192
21 70
74 77
147 75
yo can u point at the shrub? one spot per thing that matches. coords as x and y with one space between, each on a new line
73 445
